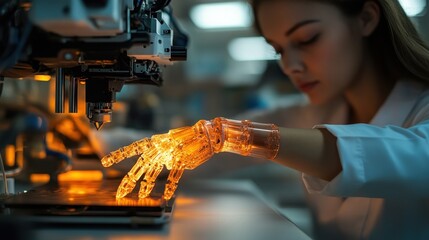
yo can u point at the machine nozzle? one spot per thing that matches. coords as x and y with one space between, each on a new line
100 96
98 125
99 113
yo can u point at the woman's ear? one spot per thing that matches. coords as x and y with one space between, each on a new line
369 18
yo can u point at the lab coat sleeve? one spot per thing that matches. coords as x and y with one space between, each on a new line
378 162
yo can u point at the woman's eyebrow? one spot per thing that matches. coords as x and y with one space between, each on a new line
300 24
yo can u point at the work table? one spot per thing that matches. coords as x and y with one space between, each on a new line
206 209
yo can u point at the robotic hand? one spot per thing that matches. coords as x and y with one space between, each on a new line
188 147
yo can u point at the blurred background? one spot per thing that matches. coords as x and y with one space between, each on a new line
230 70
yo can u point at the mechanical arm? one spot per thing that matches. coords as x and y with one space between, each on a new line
103 44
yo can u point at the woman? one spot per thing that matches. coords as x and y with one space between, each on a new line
368 53
363 62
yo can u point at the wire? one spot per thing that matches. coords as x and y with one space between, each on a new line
6 191
139 5
159 4
14 56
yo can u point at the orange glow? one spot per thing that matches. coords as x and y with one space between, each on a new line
76 188
10 155
80 190
39 178
81 175
138 202
54 143
49 137
43 78
187 201
67 127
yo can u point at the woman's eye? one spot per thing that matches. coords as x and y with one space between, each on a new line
310 41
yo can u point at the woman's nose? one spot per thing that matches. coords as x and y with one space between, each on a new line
291 63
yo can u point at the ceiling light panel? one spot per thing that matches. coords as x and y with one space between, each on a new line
221 15
413 8
251 49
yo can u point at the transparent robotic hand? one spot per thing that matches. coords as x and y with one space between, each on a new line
188 147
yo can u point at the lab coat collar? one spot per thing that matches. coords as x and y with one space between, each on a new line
398 104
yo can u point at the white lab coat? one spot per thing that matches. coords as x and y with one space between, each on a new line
383 190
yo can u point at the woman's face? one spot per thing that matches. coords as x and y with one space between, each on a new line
321 49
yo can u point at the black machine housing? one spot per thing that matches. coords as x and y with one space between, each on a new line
103 63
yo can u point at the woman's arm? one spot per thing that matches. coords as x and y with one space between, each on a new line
311 151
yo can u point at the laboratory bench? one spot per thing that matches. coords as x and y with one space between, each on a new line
204 209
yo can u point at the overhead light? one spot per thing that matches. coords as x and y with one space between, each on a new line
221 15
413 7
251 49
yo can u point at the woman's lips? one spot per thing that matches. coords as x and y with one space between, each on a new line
306 87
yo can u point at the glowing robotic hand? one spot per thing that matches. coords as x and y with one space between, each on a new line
188 147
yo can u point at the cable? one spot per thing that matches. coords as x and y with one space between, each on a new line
6 191
14 56
158 5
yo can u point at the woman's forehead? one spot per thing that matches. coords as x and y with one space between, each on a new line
292 11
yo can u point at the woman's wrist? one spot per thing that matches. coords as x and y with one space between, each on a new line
243 137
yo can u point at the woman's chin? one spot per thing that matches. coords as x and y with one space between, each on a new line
321 100
316 100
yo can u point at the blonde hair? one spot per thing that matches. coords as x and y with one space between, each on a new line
401 52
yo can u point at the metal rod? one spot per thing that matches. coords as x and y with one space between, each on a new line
73 95
59 91
128 21
6 191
